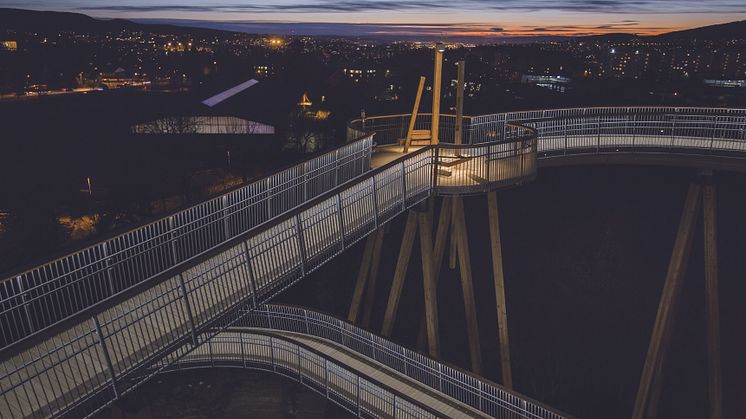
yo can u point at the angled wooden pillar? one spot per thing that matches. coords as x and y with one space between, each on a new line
429 284
413 119
712 303
453 248
441 237
656 386
400 273
470 307
362 278
499 281
375 264
676 269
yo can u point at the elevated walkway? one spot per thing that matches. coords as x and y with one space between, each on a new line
81 330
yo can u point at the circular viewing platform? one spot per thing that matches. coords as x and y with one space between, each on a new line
505 149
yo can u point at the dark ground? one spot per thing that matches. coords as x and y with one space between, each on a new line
223 393
586 251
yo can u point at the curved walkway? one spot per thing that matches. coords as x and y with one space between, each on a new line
175 279
276 336
361 385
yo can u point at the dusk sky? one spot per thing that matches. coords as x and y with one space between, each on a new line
426 18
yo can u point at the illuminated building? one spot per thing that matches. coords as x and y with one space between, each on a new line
357 74
9 45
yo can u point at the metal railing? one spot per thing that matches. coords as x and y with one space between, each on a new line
121 309
478 393
91 358
39 297
705 131
357 392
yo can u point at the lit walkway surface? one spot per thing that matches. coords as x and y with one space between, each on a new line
364 373
80 331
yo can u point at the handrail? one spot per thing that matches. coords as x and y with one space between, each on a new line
350 388
128 331
474 391
36 298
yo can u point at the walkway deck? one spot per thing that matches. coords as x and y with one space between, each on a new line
396 382
113 309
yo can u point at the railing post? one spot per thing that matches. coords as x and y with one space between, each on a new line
306 181
375 201
598 131
107 358
403 188
226 220
341 221
272 353
326 377
174 238
564 151
305 320
269 196
434 172
395 405
188 308
359 408
22 291
337 175
250 273
440 377
107 264
301 244
243 352
714 130
673 130
481 396
300 373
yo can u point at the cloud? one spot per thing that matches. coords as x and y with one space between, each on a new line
495 29
362 6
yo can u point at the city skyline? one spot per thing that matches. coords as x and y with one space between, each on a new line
416 18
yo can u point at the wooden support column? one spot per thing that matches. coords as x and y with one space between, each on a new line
499 281
400 273
437 82
429 285
441 237
676 269
375 264
656 389
470 306
453 250
362 278
712 303
413 119
460 102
